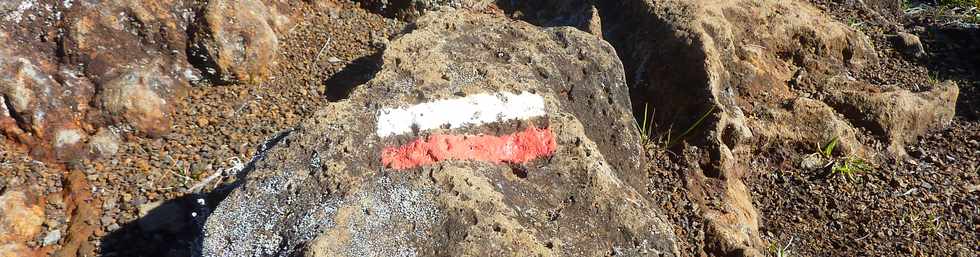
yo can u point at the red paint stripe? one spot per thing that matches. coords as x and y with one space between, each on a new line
518 147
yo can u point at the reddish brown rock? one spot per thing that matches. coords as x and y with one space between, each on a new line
59 54
21 216
238 40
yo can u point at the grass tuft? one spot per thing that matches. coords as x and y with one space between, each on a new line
846 166
777 251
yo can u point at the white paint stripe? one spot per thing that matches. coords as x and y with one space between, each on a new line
470 110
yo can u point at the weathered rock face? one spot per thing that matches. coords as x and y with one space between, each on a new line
21 216
66 61
763 72
479 136
69 68
237 39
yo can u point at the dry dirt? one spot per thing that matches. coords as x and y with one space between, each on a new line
927 205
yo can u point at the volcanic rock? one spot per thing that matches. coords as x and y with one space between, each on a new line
759 72
237 40
910 44
142 95
59 54
412 9
21 216
331 186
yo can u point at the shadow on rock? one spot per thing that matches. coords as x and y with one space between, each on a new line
955 55
165 228
358 72
175 227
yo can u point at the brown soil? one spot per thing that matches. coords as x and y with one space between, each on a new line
924 206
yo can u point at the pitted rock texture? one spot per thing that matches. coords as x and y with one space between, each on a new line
323 191
765 73
237 40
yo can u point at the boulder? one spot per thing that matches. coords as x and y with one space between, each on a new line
480 135
60 54
238 40
43 105
21 216
143 96
757 73
910 44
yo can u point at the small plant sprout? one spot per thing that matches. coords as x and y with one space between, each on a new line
846 166
777 251
690 129
646 127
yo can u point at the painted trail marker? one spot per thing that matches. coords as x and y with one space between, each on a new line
461 112
471 111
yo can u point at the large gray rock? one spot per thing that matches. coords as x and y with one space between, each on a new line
323 189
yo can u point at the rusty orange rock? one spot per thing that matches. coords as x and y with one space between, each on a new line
21 216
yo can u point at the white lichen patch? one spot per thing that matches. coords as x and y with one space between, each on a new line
17 14
67 137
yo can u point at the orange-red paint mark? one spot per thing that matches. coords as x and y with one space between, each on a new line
518 147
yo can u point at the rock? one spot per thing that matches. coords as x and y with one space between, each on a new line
159 215
105 143
813 162
43 104
412 9
21 216
138 97
51 238
910 45
61 53
134 51
237 39
362 176
898 116
760 72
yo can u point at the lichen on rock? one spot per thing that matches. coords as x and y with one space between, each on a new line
322 190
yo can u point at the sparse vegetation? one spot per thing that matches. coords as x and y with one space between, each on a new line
846 166
666 140
927 223
646 127
691 128
777 251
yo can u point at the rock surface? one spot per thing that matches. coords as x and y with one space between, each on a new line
21 216
323 190
237 40
71 68
762 72
910 44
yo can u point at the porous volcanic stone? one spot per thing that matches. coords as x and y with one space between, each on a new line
322 189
